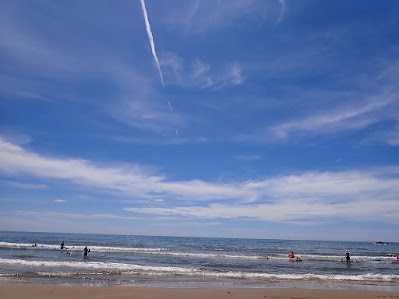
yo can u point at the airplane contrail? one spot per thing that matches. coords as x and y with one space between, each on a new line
154 53
151 40
170 107
171 110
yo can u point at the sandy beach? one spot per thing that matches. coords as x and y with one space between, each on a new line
8 291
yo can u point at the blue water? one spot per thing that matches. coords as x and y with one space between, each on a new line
195 262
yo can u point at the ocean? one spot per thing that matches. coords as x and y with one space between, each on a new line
185 262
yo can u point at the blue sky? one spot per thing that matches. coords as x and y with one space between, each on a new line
261 119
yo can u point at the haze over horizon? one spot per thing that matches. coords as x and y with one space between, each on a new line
268 119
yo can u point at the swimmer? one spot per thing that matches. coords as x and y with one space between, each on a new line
348 257
85 251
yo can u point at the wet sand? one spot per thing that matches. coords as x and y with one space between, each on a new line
8 291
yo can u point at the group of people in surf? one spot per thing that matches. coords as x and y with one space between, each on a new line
292 257
347 256
85 250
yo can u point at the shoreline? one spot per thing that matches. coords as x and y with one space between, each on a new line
329 286
25 290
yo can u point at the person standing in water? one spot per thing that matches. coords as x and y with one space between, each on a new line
62 245
348 257
85 251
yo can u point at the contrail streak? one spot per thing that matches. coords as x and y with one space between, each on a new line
171 110
151 40
154 53
170 107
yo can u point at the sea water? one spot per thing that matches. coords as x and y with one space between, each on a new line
195 262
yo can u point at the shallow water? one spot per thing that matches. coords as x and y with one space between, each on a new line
195 262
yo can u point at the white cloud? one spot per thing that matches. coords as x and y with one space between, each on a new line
146 115
58 215
128 179
392 137
236 75
248 157
304 196
14 137
340 185
201 17
368 101
25 185
199 73
298 211
307 198
60 200
173 65
352 118
23 46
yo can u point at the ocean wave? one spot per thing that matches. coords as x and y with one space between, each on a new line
133 269
79 247
201 255
156 251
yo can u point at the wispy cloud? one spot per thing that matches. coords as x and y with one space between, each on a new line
60 200
352 118
37 57
206 78
248 157
151 40
392 138
170 106
58 215
298 197
236 75
302 212
282 3
34 51
25 185
200 17
201 74
311 197
338 113
127 179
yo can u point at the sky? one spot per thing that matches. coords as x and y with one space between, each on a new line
213 118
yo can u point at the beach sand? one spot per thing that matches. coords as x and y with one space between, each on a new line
8 291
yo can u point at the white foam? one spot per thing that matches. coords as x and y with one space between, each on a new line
80 247
158 270
157 251
28 246
217 254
